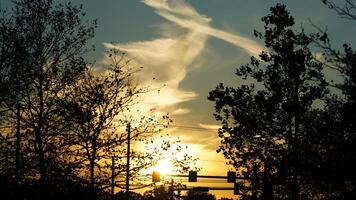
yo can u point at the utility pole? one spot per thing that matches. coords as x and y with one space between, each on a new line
128 159
113 177
18 142
171 189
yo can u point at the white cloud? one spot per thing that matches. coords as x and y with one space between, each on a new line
210 126
180 13
180 111
169 57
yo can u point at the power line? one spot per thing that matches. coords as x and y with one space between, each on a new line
212 160
192 127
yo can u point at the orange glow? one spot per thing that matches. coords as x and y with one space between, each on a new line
164 167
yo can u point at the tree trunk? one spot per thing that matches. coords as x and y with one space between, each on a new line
92 174
267 192
18 143
295 185
38 132
92 168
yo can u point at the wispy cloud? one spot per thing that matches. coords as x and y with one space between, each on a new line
169 57
183 15
181 111
166 60
210 126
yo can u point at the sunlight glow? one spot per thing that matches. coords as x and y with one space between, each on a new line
164 167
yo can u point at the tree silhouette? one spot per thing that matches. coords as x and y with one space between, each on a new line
347 11
42 43
93 103
158 193
264 124
54 39
333 144
198 196
98 107
62 121
14 82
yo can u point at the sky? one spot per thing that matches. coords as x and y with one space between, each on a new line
192 45
188 47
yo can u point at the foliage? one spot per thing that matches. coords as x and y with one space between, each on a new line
198 196
335 138
157 193
265 124
164 193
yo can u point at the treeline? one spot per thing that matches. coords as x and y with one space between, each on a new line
64 124
287 127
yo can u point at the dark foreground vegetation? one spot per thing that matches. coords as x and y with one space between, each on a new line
70 190
289 128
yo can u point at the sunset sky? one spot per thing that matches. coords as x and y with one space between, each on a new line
190 46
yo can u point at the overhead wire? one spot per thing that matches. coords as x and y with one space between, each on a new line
192 127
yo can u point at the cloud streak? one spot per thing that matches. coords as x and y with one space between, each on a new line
168 58
183 15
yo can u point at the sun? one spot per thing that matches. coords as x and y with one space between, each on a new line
164 167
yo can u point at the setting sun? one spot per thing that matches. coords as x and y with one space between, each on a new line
164 167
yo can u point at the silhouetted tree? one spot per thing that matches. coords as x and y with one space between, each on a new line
347 10
132 196
331 149
192 195
93 102
157 193
50 40
162 193
264 124
156 149
99 108
14 81
97 105
7 41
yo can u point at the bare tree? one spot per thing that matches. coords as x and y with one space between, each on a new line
100 110
347 10
50 41
94 102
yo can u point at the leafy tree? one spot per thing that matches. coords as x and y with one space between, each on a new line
198 196
162 193
265 124
132 196
157 193
333 143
